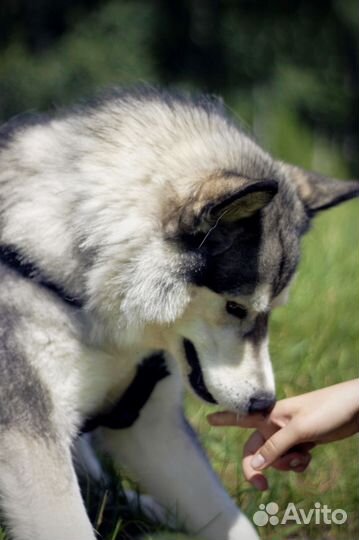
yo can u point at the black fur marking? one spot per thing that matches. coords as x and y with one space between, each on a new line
196 376
25 403
236 269
126 411
11 258
262 249
259 330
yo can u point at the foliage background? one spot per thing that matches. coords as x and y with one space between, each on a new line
289 72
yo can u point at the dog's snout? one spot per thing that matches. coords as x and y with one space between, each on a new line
262 403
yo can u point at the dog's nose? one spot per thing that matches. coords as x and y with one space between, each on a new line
263 403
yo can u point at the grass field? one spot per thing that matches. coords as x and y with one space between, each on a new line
314 343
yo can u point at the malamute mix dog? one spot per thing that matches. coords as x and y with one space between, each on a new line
144 240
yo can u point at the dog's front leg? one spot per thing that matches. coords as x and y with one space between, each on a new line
162 452
40 497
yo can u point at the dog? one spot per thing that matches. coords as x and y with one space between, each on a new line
144 240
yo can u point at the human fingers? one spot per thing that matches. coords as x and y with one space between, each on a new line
297 458
275 446
293 461
256 478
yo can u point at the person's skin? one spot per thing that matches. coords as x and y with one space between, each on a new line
283 438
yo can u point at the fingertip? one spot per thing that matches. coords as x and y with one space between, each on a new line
292 461
259 482
301 467
302 460
258 461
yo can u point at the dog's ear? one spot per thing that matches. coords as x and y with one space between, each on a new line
319 192
226 200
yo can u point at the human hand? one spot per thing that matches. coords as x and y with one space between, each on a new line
285 436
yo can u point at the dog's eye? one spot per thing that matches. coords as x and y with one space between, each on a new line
236 310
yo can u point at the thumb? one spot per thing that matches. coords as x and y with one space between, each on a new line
277 445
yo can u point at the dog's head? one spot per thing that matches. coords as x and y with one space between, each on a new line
242 239
212 244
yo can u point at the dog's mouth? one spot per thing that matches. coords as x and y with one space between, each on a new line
196 376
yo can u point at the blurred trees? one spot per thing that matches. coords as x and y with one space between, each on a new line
290 69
